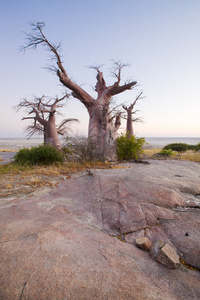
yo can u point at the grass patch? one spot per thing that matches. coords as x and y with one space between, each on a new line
167 153
13 168
150 152
56 170
188 155
18 180
7 150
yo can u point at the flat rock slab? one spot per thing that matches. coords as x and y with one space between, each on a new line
63 245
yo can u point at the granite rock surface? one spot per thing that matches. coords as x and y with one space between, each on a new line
77 241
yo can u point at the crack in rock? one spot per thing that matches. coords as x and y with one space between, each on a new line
22 292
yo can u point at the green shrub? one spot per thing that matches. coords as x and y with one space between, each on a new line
197 147
194 147
41 155
179 147
129 148
166 152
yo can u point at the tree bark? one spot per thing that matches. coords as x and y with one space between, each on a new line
51 134
129 124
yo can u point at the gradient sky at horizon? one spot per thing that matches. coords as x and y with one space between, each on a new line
160 39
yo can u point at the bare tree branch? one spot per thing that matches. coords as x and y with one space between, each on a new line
116 89
67 121
116 71
37 37
138 120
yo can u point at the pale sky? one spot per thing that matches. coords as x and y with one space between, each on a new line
159 38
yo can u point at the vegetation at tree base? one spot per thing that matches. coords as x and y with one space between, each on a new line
82 149
41 155
182 147
129 148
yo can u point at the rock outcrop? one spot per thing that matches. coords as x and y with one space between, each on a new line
67 244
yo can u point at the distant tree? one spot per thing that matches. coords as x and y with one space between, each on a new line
44 120
102 126
129 117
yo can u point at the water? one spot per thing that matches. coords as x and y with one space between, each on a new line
18 143
153 142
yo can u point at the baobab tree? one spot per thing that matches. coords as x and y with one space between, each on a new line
129 117
43 111
102 126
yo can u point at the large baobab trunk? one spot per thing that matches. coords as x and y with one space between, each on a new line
102 128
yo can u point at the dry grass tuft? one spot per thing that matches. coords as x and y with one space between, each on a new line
151 152
18 180
188 155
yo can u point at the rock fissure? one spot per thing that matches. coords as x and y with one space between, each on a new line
188 266
161 206
185 208
102 216
22 292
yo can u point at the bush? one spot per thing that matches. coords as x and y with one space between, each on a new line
194 147
129 148
82 149
166 152
181 147
41 155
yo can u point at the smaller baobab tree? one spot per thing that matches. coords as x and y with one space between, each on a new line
129 117
43 111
